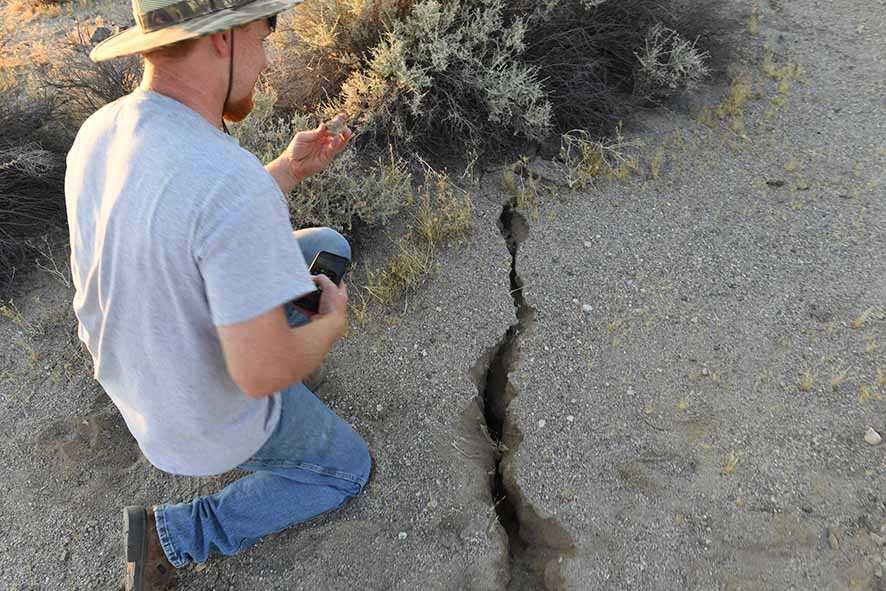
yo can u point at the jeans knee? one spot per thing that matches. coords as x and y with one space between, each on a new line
335 243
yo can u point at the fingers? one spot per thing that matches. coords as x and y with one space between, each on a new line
323 282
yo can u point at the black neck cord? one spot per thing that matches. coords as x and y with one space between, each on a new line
230 83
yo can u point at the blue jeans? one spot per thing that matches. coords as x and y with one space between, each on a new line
312 463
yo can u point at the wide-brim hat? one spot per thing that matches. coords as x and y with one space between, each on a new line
164 22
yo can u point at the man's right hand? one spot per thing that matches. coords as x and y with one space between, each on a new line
333 302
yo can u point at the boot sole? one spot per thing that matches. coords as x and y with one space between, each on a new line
135 525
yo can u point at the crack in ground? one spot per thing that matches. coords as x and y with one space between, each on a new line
536 546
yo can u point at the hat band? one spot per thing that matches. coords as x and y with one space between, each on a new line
183 11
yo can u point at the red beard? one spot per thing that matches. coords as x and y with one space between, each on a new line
235 111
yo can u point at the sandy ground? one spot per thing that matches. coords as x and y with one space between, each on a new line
700 353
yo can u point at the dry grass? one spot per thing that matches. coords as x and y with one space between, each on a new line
731 109
31 177
404 271
872 313
807 381
730 462
838 379
588 159
656 163
81 86
443 213
523 186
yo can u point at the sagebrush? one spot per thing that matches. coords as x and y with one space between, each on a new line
31 177
460 75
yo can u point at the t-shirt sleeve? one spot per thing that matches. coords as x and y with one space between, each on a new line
249 259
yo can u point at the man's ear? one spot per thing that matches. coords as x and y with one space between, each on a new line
221 43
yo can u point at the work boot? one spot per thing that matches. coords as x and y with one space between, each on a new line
147 568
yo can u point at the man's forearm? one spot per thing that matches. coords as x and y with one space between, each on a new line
303 353
281 170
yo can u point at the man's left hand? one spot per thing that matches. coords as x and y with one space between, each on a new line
309 152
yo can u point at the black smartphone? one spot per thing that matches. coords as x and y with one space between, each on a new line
325 263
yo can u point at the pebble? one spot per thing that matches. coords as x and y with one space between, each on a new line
570 418
542 423
872 437
587 308
588 244
401 535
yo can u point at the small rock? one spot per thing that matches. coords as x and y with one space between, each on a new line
542 423
379 407
588 244
200 567
401 536
587 308
872 437
570 418
705 372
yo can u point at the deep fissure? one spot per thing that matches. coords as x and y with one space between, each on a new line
529 548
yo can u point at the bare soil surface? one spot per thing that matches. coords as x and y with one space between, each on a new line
683 367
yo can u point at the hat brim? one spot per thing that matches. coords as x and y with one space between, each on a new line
133 40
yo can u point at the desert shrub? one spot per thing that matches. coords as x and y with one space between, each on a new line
80 86
367 189
31 177
320 43
669 63
449 70
451 75
417 74
588 51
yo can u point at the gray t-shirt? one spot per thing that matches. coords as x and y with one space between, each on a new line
175 229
